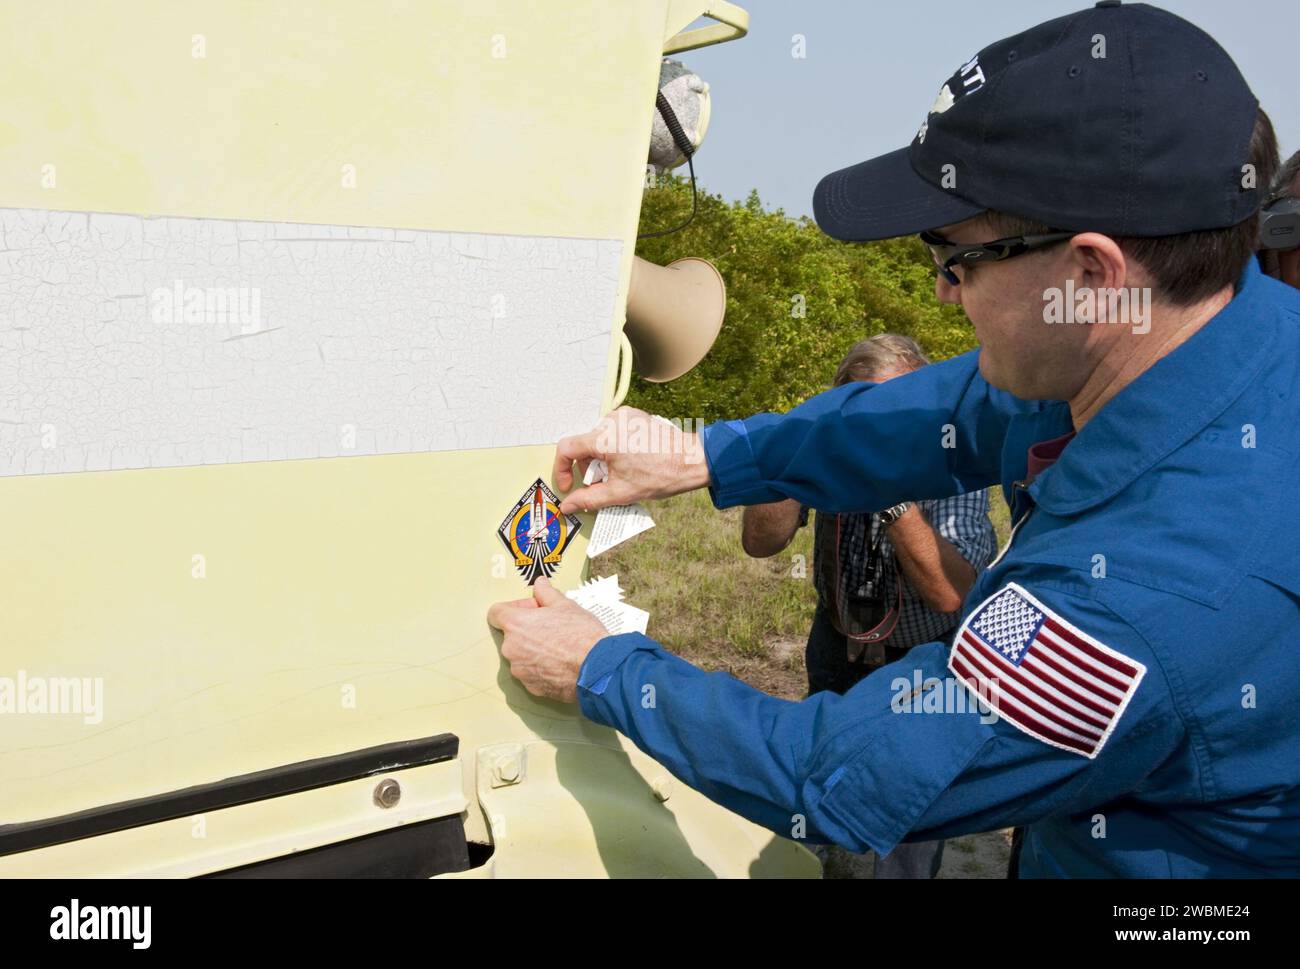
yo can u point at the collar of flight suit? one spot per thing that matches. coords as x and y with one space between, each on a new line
1166 406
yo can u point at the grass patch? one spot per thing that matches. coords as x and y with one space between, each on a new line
707 599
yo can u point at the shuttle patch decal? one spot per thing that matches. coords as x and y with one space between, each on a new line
536 533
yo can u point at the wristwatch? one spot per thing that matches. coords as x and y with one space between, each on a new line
891 515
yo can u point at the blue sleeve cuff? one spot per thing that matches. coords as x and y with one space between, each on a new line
601 667
733 470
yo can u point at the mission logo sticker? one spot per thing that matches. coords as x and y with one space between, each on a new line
536 533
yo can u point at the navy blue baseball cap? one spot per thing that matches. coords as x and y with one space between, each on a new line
1122 119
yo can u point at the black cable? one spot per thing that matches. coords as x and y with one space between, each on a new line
674 126
684 145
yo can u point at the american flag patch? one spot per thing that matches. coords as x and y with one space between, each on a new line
1042 674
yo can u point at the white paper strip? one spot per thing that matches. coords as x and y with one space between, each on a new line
603 598
616 525
158 342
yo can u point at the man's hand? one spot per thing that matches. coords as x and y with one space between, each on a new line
646 458
933 565
546 639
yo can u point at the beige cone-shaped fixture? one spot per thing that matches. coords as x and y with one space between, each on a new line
674 313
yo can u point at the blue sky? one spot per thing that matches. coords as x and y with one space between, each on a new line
872 70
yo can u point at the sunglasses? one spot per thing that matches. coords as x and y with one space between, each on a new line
947 253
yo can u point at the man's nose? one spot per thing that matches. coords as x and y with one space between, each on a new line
945 291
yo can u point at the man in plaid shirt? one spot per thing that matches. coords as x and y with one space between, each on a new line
885 581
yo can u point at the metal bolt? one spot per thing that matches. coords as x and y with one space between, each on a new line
387 793
502 765
507 770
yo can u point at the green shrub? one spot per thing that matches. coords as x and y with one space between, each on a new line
768 357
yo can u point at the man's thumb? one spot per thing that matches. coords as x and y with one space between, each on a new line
545 593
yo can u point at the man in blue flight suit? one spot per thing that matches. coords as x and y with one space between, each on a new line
1137 638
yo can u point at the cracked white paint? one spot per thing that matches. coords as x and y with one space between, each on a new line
336 340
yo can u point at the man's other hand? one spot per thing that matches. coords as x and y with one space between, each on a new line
646 458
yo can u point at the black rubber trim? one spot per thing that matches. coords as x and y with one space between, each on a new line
231 792
419 850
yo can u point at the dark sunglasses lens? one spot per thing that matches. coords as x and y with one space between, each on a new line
939 250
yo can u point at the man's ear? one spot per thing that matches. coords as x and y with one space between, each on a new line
1100 266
